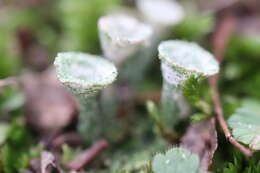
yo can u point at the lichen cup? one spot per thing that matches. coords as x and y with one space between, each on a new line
181 60
125 41
85 75
162 14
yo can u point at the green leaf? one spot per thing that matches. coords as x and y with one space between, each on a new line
176 160
192 89
245 124
80 23
194 27
68 153
3 132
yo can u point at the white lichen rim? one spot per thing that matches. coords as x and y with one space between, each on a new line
124 29
99 72
188 56
166 12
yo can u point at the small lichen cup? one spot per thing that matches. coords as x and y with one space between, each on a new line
181 60
125 41
85 75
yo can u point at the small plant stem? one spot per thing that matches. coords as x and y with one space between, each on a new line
220 117
89 117
226 27
9 81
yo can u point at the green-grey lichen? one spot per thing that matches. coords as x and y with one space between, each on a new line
85 75
162 13
121 36
126 41
181 60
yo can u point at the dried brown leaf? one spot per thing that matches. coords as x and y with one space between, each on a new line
49 106
47 162
211 5
35 165
201 139
70 138
249 26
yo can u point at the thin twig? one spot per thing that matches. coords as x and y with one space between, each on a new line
88 156
220 40
220 117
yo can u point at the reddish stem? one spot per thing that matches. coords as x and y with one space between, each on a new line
88 155
219 41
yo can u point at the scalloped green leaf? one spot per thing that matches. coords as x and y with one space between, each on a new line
245 124
175 160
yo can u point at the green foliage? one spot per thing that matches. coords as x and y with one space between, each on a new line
194 92
242 46
134 162
198 117
3 132
245 124
242 166
68 153
16 152
194 27
176 160
80 23
11 101
9 63
160 127
153 111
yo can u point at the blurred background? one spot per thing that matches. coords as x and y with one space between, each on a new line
39 113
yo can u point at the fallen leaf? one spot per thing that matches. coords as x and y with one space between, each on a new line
32 52
249 26
49 106
35 165
47 162
201 139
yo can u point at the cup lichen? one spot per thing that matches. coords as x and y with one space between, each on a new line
85 75
181 60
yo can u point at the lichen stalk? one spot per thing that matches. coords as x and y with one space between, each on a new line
174 106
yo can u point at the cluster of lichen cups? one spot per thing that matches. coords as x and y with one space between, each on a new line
85 75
